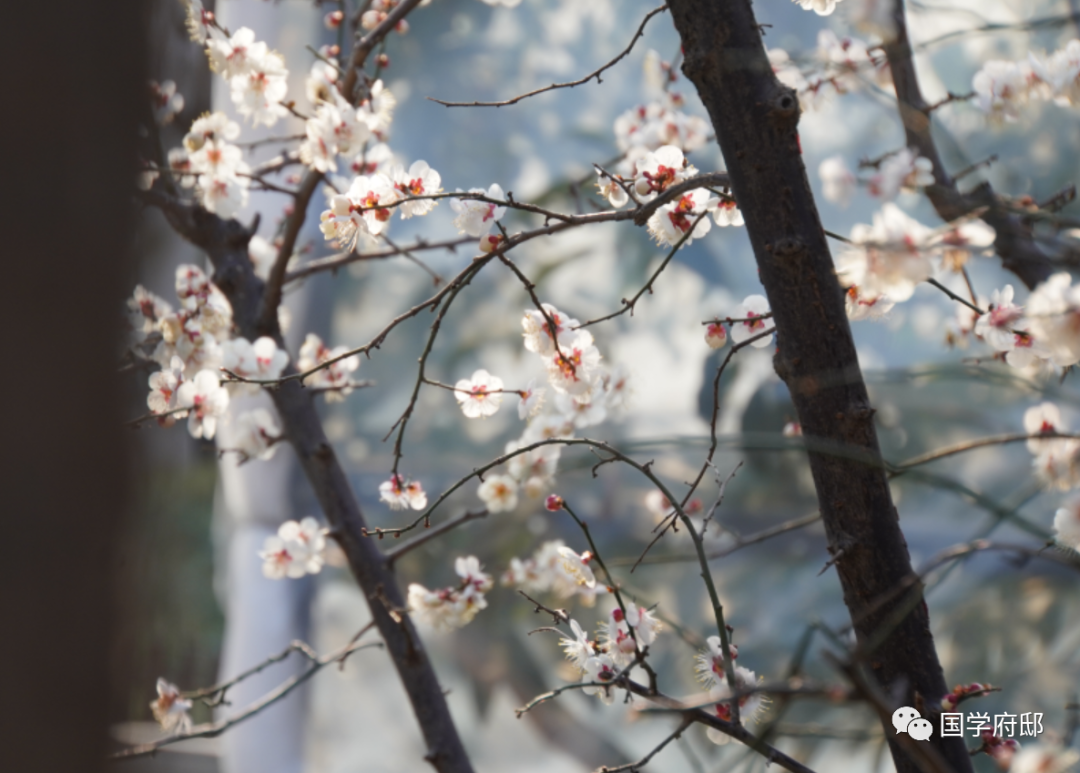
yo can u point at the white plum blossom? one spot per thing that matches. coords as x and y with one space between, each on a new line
887 257
371 196
535 468
454 607
402 494
377 110
682 219
538 330
210 126
905 170
257 435
263 255
660 169
573 368
333 130
710 663
959 242
258 92
262 360
1044 418
862 307
199 22
649 127
499 493
753 308
577 566
321 83
477 218
820 7
849 63
479 396
1056 459
727 213
1053 311
1059 73
611 189
1067 524
580 648
582 412
333 377
230 58
147 309
996 325
170 709
599 669
544 571
532 398
297 549
206 400
224 196
618 641
1001 88
749 705
163 386
419 180
167 102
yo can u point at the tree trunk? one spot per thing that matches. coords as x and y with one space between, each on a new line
756 121
226 244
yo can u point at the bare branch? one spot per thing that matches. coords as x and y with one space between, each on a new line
570 84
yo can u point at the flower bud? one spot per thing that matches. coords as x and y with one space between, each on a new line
715 335
554 503
333 20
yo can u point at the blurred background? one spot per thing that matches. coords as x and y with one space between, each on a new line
194 607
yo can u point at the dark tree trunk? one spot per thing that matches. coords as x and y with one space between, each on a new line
72 79
756 122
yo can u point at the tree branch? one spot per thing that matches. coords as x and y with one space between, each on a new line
756 121
225 241
1014 243
570 84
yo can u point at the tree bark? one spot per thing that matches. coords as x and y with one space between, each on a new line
226 244
756 122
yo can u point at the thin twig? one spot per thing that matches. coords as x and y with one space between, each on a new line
570 84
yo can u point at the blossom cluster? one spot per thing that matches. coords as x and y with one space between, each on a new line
298 548
1056 461
452 607
683 219
365 209
555 568
653 125
749 320
585 394
1003 87
839 66
619 641
904 170
886 260
190 344
211 163
256 75
711 665
339 129
335 377
1035 337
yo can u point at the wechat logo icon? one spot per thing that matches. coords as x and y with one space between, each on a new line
907 720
